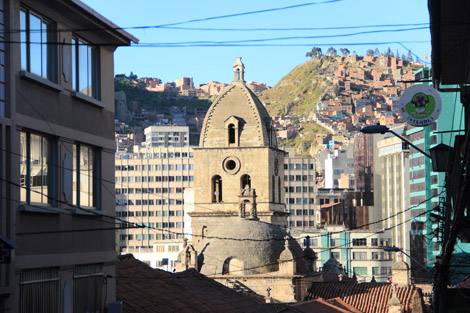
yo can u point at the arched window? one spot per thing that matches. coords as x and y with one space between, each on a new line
232 266
245 181
216 188
231 133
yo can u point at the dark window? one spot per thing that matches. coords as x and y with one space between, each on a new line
231 133
216 188
359 242
245 181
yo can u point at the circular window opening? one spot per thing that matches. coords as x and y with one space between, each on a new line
231 165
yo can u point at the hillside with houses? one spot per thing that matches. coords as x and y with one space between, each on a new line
329 96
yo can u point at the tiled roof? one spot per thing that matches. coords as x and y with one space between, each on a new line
146 290
318 306
366 297
325 306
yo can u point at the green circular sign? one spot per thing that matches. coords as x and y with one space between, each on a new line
420 105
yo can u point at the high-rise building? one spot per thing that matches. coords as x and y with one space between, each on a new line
391 172
300 190
150 185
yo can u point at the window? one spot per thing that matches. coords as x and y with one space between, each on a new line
85 68
36 172
375 271
40 288
37 55
217 189
359 242
231 133
88 288
360 270
335 255
359 255
85 187
245 181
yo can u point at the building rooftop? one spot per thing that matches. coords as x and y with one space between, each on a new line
144 289
368 297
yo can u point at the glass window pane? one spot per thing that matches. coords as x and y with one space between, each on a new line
75 176
44 48
86 176
35 45
83 68
89 71
24 64
38 168
74 64
23 166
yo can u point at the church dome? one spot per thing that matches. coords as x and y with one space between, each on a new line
246 247
237 108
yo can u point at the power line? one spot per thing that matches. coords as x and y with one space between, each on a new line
6 31
218 43
290 38
283 29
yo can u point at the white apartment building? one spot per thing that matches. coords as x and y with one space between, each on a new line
166 136
300 191
150 185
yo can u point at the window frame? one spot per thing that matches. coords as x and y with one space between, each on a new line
94 63
51 164
51 57
76 177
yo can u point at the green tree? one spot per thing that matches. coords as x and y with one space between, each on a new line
409 56
315 52
377 52
370 52
344 51
331 51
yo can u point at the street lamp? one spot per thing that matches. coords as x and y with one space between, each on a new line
396 249
382 129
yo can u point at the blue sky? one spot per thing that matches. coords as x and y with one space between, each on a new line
160 53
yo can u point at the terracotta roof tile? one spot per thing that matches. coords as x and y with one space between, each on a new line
146 290
366 297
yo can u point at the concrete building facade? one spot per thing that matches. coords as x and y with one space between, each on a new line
300 188
392 181
359 252
150 187
57 156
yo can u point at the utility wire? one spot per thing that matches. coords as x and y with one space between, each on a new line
228 42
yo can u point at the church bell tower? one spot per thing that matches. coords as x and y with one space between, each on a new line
238 166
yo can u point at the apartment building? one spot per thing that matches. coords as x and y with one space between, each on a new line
300 191
359 252
150 185
57 156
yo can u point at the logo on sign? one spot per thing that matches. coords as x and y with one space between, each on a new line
420 105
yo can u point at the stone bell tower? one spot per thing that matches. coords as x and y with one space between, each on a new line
238 166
